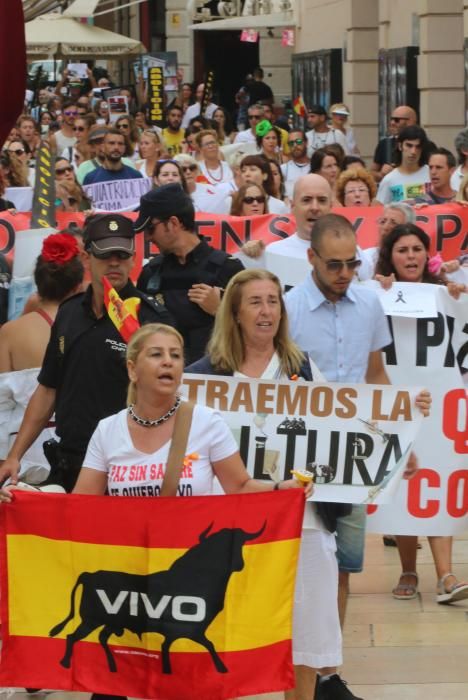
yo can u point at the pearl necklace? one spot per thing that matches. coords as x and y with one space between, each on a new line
153 423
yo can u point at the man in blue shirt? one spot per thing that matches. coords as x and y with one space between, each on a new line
113 168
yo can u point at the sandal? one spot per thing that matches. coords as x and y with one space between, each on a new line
406 591
457 591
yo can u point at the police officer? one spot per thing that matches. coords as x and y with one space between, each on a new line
189 275
83 377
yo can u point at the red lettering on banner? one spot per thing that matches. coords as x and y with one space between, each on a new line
453 414
431 479
457 480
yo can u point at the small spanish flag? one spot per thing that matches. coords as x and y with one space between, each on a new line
149 597
299 106
123 314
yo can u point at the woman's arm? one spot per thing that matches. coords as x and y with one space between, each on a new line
91 482
234 478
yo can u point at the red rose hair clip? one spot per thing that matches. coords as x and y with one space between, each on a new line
59 248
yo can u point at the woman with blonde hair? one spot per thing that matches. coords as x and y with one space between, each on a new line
150 148
462 194
355 188
251 339
142 433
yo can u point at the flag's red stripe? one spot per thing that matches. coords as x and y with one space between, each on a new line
178 522
31 662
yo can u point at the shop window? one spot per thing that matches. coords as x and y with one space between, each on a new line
318 75
398 82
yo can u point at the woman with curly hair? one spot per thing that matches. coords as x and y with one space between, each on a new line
356 188
14 171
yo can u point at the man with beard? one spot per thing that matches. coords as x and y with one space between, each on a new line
172 134
299 164
113 167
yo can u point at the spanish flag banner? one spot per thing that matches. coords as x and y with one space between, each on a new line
123 314
171 598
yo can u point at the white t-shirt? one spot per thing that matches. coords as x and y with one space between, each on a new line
222 173
134 473
245 136
318 139
398 187
276 206
291 172
292 246
194 111
456 178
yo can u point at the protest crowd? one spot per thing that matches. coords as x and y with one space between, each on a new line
98 394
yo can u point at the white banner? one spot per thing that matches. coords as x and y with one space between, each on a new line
354 438
429 351
117 195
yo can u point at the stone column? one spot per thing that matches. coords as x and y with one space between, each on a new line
360 71
441 77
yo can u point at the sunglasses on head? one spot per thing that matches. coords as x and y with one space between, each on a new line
107 255
62 171
17 151
296 142
338 265
260 199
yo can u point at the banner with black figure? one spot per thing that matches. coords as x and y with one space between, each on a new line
150 598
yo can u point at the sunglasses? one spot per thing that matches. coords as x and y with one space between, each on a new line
397 120
78 128
254 116
17 151
120 254
260 199
62 171
296 142
123 126
338 265
190 168
70 113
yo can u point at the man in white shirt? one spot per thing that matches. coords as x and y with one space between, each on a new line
255 114
408 180
194 110
461 146
299 164
321 134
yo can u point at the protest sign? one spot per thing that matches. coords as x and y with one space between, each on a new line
21 197
156 95
117 195
202 610
350 437
406 299
118 106
430 352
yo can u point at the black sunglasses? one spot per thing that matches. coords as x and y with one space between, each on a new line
338 265
296 142
78 128
192 168
17 151
62 171
123 126
260 199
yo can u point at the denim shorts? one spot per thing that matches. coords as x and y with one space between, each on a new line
350 538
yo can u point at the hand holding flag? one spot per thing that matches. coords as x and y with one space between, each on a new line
123 314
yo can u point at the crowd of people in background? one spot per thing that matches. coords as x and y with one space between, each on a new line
222 318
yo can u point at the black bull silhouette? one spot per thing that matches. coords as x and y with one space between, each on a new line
113 599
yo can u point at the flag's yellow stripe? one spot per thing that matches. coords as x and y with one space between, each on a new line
42 573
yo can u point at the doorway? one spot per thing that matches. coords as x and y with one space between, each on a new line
229 58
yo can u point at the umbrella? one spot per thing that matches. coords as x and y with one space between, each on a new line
58 35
